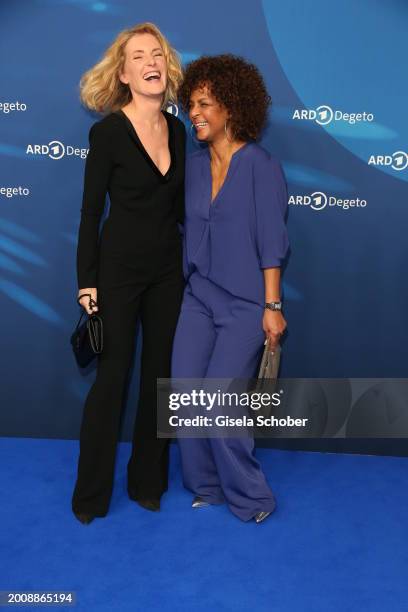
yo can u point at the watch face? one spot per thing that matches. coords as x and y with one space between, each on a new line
274 305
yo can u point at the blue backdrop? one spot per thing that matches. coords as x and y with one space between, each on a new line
336 74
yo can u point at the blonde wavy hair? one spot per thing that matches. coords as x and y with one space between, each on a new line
101 89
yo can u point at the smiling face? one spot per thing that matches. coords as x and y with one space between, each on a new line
145 67
207 115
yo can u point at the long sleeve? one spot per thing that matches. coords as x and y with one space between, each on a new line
271 203
96 180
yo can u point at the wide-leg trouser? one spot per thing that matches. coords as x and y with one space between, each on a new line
156 299
219 335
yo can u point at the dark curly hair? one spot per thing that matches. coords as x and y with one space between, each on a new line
236 84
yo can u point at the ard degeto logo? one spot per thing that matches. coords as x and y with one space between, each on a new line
319 200
55 149
9 107
11 192
172 108
324 114
398 160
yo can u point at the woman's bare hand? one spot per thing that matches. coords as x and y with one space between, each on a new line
273 325
89 303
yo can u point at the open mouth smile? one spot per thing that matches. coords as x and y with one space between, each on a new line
153 75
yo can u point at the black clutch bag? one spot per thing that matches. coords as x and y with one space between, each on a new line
87 339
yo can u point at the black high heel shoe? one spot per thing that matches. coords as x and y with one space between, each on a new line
148 501
152 504
84 518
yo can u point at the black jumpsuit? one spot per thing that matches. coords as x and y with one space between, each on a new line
136 266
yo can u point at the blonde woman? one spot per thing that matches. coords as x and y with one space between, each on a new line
133 269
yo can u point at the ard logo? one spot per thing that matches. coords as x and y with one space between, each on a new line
318 200
324 114
56 150
172 108
398 160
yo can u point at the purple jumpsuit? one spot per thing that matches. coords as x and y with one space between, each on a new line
219 334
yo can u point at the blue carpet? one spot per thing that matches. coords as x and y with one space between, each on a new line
337 541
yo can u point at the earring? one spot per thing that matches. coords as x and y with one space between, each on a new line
193 138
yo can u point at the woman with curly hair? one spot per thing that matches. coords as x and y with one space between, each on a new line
234 242
133 270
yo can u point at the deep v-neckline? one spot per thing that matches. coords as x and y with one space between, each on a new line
227 175
170 143
212 199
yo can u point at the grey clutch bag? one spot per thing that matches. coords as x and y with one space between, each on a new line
267 376
270 362
268 370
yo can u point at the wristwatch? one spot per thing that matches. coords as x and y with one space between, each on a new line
274 305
